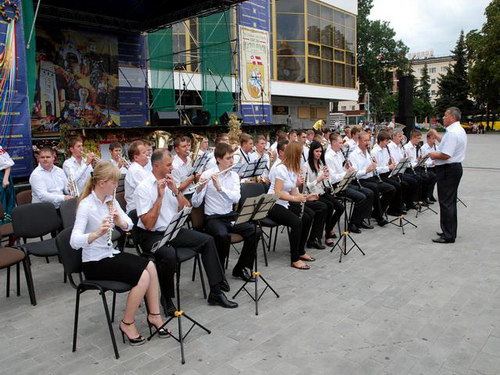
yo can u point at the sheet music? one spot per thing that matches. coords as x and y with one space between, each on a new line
173 228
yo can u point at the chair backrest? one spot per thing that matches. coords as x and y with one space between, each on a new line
35 220
250 190
23 197
120 197
135 219
70 258
68 212
198 217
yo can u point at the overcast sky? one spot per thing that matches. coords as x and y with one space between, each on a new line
430 24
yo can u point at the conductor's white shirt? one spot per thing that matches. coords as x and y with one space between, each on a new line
453 144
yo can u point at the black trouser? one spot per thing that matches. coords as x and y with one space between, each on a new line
410 187
448 179
363 202
319 218
219 226
396 204
428 182
419 182
380 204
335 208
298 229
186 240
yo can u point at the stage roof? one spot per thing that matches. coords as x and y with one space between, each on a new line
129 15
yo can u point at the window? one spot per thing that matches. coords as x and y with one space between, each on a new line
433 92
290 26
185 45
433 81
444 69
353 107
432 70
343 108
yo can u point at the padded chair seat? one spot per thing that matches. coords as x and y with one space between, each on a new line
236 238
10 256
6 230
114 286
116 235
44 248
185 254
268 223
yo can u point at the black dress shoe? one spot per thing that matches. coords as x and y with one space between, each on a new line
316 244
443 240
393 213
221 300
243 274
382 222
412 206
224 286
168 306
440 234
354 229
365 225
432 199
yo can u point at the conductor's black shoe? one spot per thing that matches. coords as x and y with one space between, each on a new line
221 300
316 244
365 225
440 234
243 274
168 306
224 286
354 229
382 222
393 213
443 240
411 206
432 199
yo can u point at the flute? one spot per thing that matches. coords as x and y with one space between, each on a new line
111 206
198 184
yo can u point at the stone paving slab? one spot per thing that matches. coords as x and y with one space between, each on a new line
408 307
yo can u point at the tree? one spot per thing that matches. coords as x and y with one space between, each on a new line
454 86
422 106
484 72
379 54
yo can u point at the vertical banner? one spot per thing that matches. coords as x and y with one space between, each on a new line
15 134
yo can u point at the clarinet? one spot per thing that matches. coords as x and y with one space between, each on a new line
303 204
111 206
375 172
326 185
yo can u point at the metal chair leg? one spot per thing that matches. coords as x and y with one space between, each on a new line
29 280
7 290
202 279
111 332
113 308
18 279
75 323
195 263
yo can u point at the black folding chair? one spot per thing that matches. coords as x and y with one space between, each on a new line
72 262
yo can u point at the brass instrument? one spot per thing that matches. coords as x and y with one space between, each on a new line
161 138
197 144
73 186
111 207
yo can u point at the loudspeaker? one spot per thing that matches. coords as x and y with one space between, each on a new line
201 118
166 118
224 119
405 112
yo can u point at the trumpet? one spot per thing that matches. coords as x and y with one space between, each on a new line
73 186
201 183
111 207
197 144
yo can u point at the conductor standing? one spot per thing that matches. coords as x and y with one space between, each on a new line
448 159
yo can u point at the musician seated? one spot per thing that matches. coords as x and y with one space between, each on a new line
428 147
362 197
158 199
243 155
48 182
115 150
318 182
79 166
136 172
203 146
221 138
302 139
182 165
220 193
98 212
297 217
367 173
149 152
261 154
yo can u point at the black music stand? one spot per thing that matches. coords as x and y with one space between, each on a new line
397 172
461 201
170 233
421 164
239 169
253 211
346 234
254 169
200 163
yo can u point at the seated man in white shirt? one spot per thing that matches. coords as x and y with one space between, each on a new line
243 154
219 194
48 182
302 138
136 172
78 167
221 138
115 150
261 154
157 200
149 152
182 164
428 147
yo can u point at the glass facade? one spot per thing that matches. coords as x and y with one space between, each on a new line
185 45
313 42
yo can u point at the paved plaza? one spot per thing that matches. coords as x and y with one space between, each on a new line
408 307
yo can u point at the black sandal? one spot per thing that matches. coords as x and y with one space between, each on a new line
139 340
162 332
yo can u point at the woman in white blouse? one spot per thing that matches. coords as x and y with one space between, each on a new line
103 262
287 209
318 182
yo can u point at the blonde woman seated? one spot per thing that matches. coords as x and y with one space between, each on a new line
103 262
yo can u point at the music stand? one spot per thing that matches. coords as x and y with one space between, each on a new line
397 172
171 232
346 234
421 164
254 210
254 169
239 169
200 163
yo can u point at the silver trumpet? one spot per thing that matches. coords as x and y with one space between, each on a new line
111 206
73 186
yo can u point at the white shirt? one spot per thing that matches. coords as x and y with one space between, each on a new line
453 144
135 175
305 155
335 163
211 163
313 186
182 171
396 151
149 166
79 172
256 157
352 144
123 170
89 216
272 172
5 159
382 157
426 149
48 186
145 197
218 202
360 162
411 152
289 180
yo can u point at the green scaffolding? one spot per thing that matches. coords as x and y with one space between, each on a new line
216 64
161 68
28 19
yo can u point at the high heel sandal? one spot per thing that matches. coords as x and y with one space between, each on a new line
162 332
139 340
